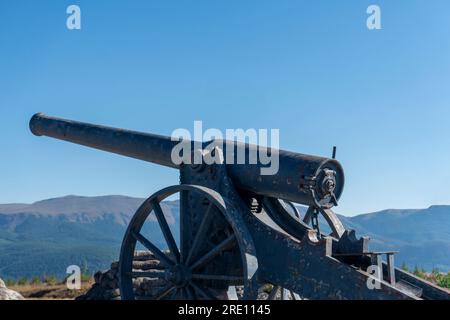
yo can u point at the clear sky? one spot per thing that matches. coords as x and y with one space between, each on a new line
310 68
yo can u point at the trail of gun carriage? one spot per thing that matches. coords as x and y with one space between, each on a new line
241 235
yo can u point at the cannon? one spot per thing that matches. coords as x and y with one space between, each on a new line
243 234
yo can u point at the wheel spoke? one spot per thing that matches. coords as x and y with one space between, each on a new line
190 294
202 230
225 244
216 277
163 293
174 294
273 293
147 274
184 222
205 293
154 249
166 230
182 295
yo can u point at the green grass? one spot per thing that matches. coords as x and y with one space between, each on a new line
437 277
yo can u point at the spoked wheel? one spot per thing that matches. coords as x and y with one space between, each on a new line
312 217
291 208
214 254
287 216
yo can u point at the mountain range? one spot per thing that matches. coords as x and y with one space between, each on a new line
47 236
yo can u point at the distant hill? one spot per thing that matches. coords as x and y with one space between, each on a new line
47 236
422 236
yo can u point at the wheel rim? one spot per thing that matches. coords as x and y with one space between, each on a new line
191 273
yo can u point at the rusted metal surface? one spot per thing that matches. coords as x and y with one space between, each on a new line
238 231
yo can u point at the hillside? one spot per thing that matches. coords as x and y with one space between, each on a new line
47 236
422 236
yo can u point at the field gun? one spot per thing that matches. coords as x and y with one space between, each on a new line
240 231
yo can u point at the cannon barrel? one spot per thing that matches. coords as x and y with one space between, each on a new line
143 146
305 179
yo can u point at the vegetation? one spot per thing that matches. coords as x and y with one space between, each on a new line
48 287
404 267
35 280
49 280
437 277
441 279
10 282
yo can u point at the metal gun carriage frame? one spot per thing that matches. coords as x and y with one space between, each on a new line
239 231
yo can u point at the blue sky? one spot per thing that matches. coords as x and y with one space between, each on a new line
310 68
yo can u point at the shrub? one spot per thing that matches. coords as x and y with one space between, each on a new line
10 282
85 277
404 267
443 280
419 272
50 280
35 280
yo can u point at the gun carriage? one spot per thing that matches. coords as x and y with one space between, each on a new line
240 231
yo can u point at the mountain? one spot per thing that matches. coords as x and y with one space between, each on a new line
47 236
422 236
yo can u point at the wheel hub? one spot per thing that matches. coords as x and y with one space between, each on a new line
179 275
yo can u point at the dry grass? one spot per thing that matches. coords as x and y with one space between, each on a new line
43 291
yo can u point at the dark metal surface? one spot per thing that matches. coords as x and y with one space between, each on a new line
218 257
305 179
143 146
